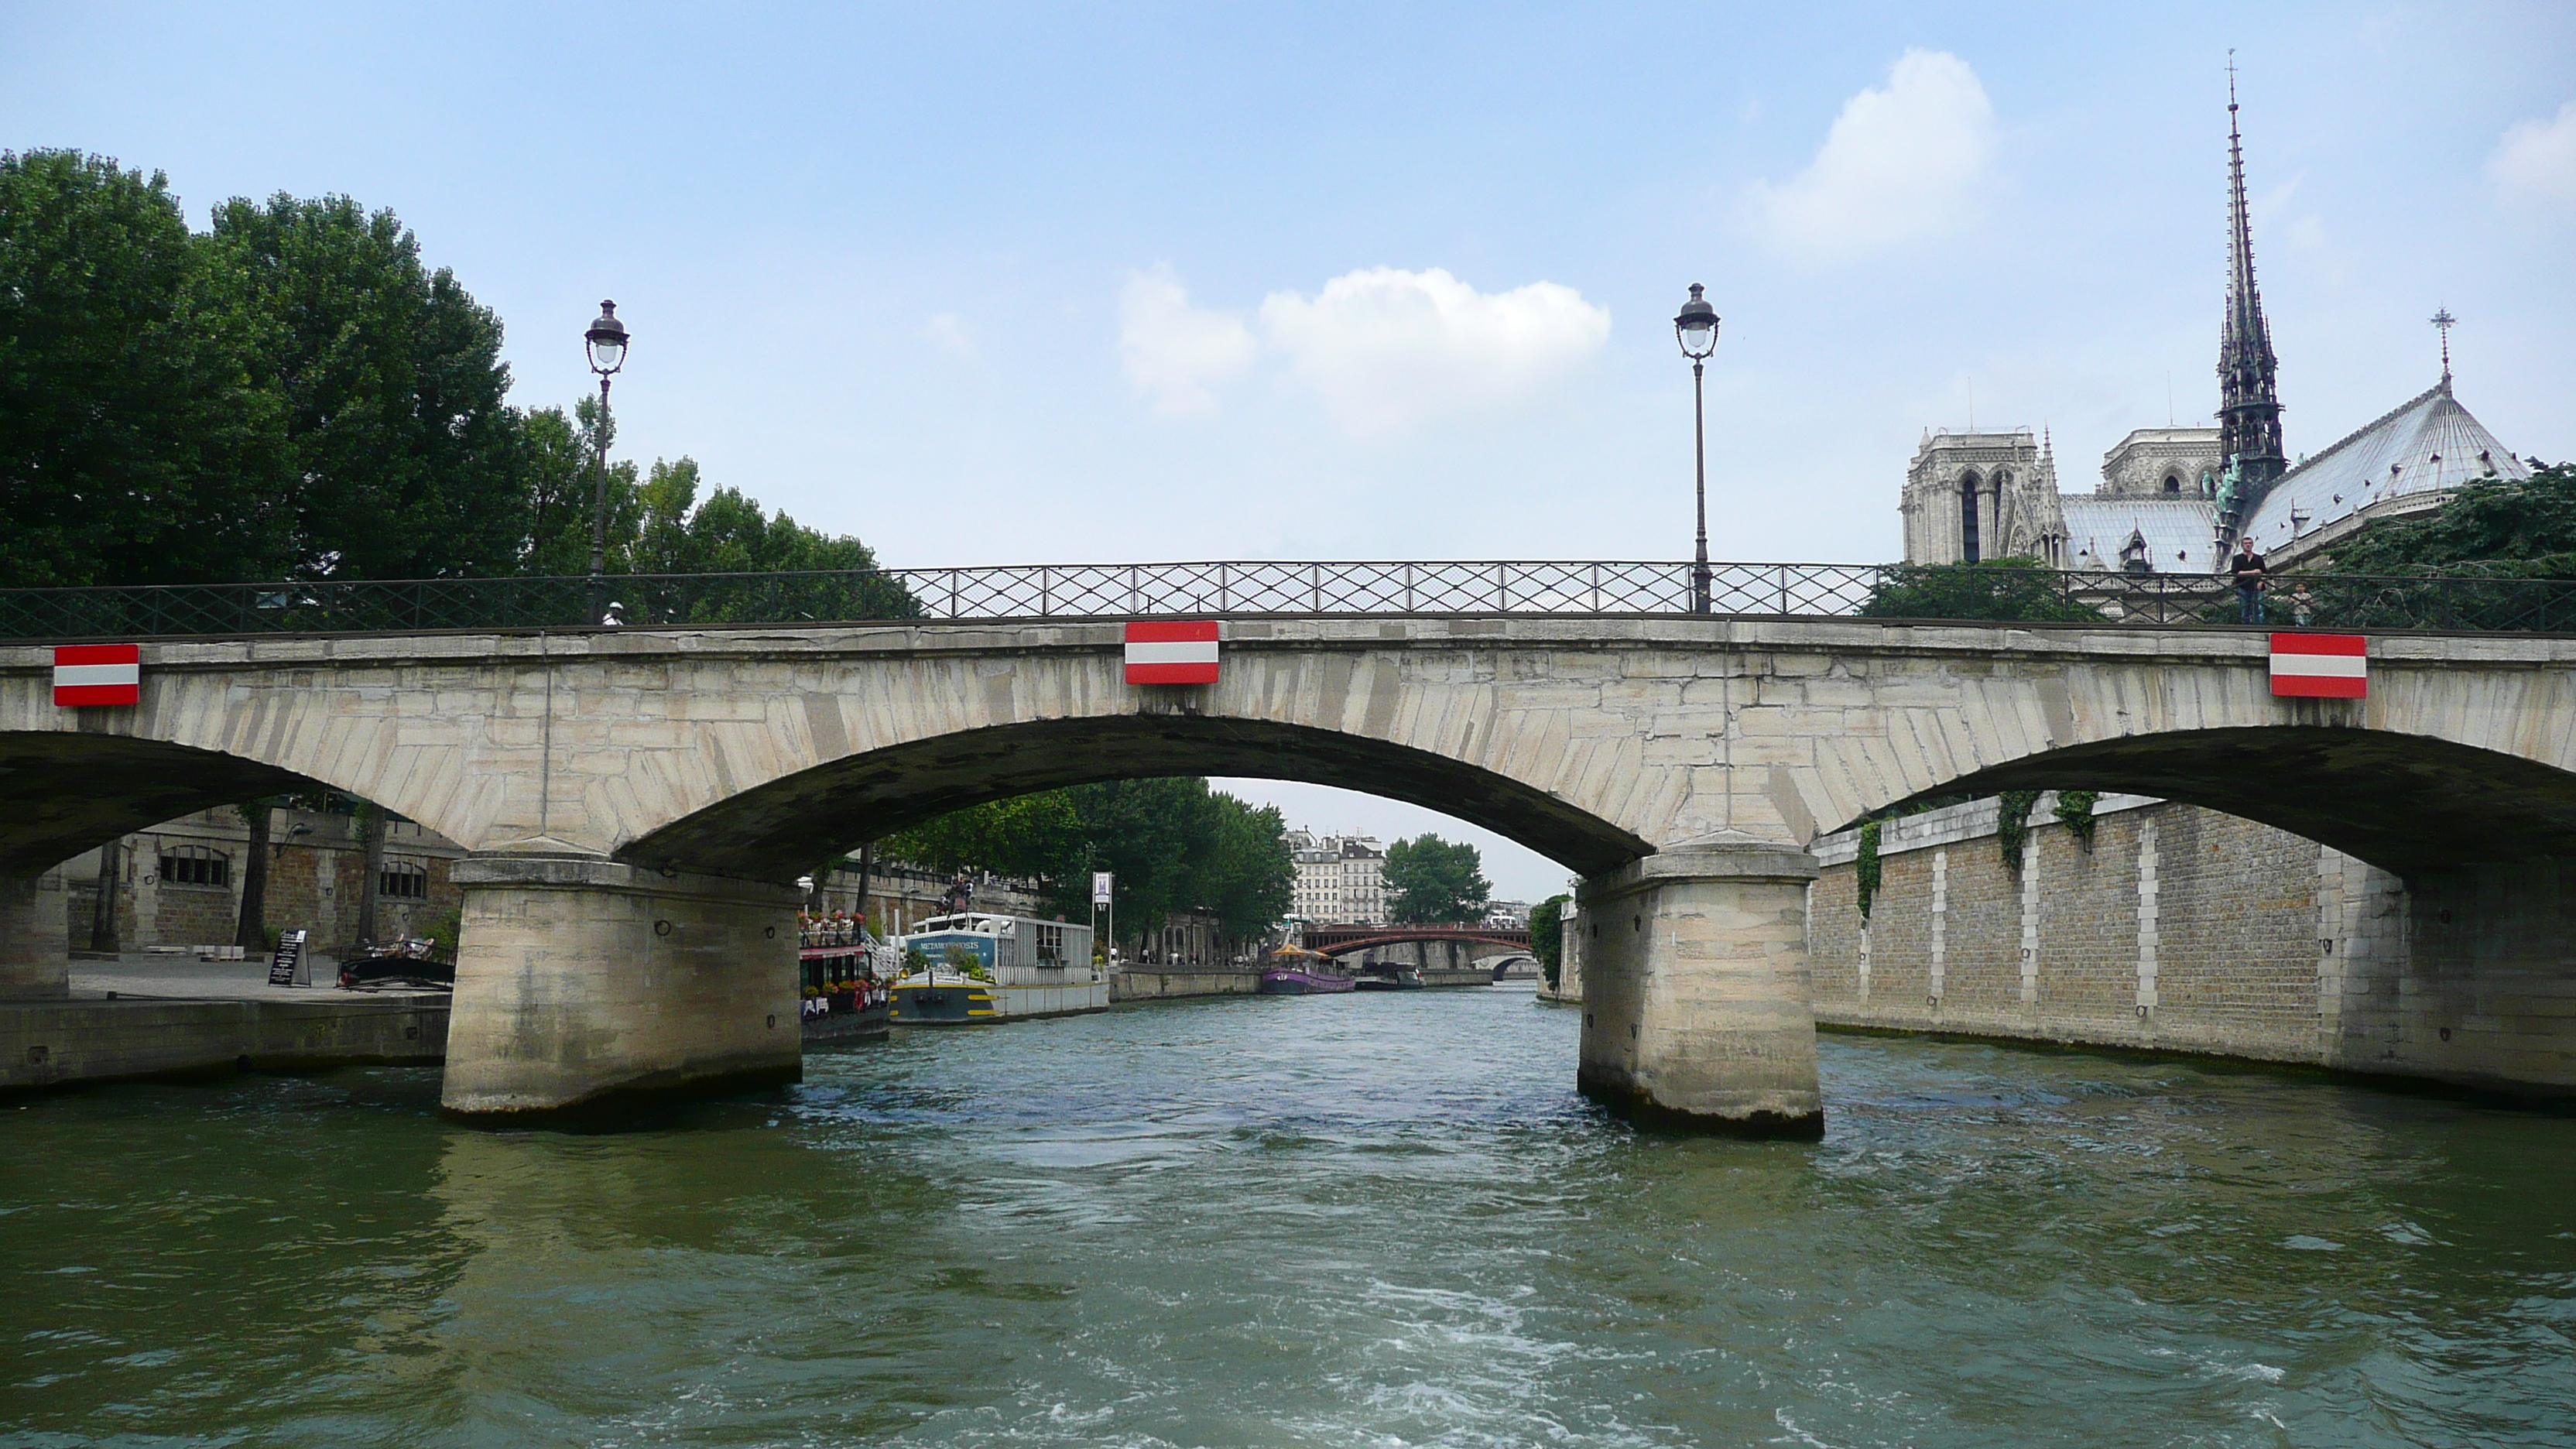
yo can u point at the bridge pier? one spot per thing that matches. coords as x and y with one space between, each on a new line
1696 1012
2464 975
580 979
34 962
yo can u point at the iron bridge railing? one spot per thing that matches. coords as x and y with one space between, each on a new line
1087 591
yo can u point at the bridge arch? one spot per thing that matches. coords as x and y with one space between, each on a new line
2405 803
775 829
62 792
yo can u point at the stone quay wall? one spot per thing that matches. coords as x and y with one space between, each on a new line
1136 982
50 1044
2178 928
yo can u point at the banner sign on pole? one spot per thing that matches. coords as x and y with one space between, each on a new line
1100 887
290 956
87 674
1171 651
2320 666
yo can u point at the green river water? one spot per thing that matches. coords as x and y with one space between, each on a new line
1354 1221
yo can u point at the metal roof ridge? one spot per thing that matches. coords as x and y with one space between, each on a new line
2374 425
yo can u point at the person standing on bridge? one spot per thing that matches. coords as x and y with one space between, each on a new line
2247 566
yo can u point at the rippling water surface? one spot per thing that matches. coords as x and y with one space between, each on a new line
1365 1220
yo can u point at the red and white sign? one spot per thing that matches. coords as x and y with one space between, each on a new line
98 674
2320 666
1171 651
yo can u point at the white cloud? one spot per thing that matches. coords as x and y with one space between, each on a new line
1901 164
1176 353
1385 347
2535 162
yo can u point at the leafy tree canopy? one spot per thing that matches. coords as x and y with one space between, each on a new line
138 439
1430 880
1998 588
2523 529
297 393
1547 936
407 458
1174 845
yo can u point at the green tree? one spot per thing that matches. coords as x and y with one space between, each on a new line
1430 880
558 463
2519 529
1547 936
136 443
406 457
673 532
1999 588
1174 845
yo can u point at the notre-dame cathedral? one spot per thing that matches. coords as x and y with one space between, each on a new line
2174 500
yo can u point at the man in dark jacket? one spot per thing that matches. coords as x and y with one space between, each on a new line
2247 566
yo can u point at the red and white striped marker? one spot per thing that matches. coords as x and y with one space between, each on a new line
2320 666
1171 651
97 674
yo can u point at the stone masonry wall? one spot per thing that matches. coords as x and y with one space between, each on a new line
2179 928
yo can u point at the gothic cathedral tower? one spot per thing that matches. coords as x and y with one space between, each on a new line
2249 403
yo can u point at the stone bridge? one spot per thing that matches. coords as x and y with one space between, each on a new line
1343 940
637 800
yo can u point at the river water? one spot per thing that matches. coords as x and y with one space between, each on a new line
1364 1221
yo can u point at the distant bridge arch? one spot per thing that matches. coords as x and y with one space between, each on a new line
1351 940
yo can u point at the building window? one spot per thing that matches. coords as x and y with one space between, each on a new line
1968 519
2172 484
401 880
195 865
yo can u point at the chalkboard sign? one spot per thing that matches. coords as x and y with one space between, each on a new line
290 955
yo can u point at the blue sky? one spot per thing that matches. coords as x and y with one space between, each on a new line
1057 283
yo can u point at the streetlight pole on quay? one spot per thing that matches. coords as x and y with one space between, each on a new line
606 342
1695 327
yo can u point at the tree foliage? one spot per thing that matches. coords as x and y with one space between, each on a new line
1998 588
297 393
2518 529
406 454
1173 844
1547 936
1431 880
137 438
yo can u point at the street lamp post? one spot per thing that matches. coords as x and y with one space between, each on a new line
607 344
1695 327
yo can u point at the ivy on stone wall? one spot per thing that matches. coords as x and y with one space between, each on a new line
2075 812
1865 867
2012 824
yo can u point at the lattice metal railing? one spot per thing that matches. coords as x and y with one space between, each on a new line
1096 591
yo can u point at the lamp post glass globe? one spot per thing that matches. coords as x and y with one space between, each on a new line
607 339
1695 327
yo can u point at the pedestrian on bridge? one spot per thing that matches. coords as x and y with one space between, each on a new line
2248 569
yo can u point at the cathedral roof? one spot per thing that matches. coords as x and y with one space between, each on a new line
2424 447
2178 531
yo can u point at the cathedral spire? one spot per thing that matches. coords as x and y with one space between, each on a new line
2249 404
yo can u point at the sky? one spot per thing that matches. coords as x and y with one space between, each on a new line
1054 283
